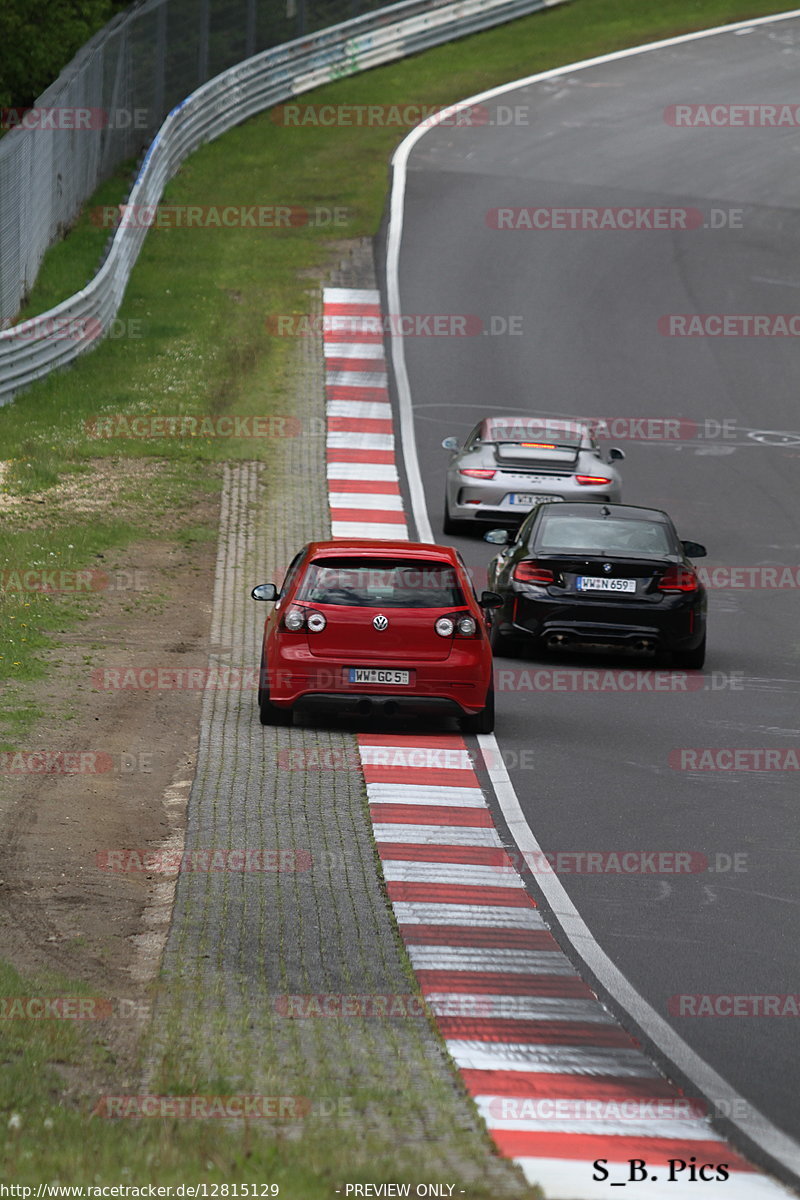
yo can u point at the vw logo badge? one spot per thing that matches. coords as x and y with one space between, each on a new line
606 567
380 622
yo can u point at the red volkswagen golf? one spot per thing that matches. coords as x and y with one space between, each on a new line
377 627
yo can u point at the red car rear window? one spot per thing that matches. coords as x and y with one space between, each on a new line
381 583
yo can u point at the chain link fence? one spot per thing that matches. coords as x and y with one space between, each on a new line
109 101
49 173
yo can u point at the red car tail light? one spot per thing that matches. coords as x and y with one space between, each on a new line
538 445
530 572
478 472
295 619
587 479
458 625
466 627
678 579
304 618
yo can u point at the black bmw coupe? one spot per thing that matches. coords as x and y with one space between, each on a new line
603 574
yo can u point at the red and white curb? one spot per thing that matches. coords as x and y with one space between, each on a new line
362 476
558 1081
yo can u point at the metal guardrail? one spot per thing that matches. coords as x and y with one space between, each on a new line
110 99
34 348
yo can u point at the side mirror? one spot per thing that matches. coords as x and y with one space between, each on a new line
450 443
694 550
491 600
265 591
615 454
497 537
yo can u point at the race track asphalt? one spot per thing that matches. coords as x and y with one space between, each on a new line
592 769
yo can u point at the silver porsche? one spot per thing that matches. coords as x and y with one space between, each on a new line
508 465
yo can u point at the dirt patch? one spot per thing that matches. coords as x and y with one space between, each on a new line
126 761
94 490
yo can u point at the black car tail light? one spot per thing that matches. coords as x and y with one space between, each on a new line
530 571
678 579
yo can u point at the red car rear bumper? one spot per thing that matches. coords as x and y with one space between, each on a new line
458 683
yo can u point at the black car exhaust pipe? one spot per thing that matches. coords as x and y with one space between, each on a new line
644 644
390 708
555 640
364 707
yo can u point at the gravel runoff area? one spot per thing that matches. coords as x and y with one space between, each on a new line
240 941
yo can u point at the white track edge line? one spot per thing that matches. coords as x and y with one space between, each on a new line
712 1085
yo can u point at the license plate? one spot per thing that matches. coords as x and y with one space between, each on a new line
589 583
378 675
527 499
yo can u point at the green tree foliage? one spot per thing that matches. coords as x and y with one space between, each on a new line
39 37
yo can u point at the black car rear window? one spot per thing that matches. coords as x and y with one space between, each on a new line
609 535
381 583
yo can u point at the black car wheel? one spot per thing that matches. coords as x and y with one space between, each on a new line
449 526
504 645
691 660
269 713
